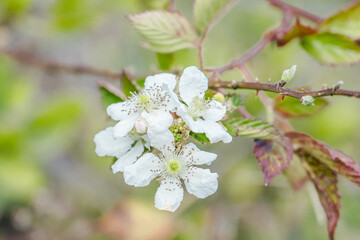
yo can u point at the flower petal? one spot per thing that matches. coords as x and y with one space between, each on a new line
192 83
119 111
107 145
160 139
216 111
158 120
123 127
215 132
142 171
196 156
200 182
195 126
129 158
160 79
169 195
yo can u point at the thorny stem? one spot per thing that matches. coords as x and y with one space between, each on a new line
30 60
278 88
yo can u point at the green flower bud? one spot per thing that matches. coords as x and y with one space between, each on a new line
219 97
288 74
307 100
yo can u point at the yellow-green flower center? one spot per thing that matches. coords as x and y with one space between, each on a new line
144 100
174 166
198 107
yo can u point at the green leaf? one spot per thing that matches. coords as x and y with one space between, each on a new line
331 48
128 84
108 97
205 11
165 60
346 22
325 181
237 100
273 156
201 137
164 31
251 128
334 159
292 108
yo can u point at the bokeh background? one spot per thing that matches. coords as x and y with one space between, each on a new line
54 186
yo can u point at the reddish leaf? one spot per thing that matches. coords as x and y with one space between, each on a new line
298 30
334 159
325 181
296 174
273 156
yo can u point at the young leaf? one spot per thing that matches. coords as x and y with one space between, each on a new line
292 107
164 31
298 30
108 97
201 137
206 10
334 159
128 84
325 181
273 156
346 22
331 48
250 128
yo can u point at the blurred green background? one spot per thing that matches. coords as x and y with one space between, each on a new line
54 186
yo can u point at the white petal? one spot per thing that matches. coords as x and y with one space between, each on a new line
213 130
119 111
201 182
160 139
123 127
107 145
158 120
142 171
196 156
192 83
169 195
160 79
129 158
195 126
216 111
216 133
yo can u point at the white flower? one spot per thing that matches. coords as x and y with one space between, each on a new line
122 148
170 166
143 119
200 115
147 112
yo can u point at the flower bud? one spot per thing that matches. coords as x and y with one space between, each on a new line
219 97
141 125
307 100
288 74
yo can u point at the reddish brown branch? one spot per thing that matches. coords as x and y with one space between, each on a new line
295 11
27 58
277 88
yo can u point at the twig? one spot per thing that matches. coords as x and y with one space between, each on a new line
272 35
276 88
295 11
27 58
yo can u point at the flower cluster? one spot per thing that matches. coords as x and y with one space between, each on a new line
149 140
